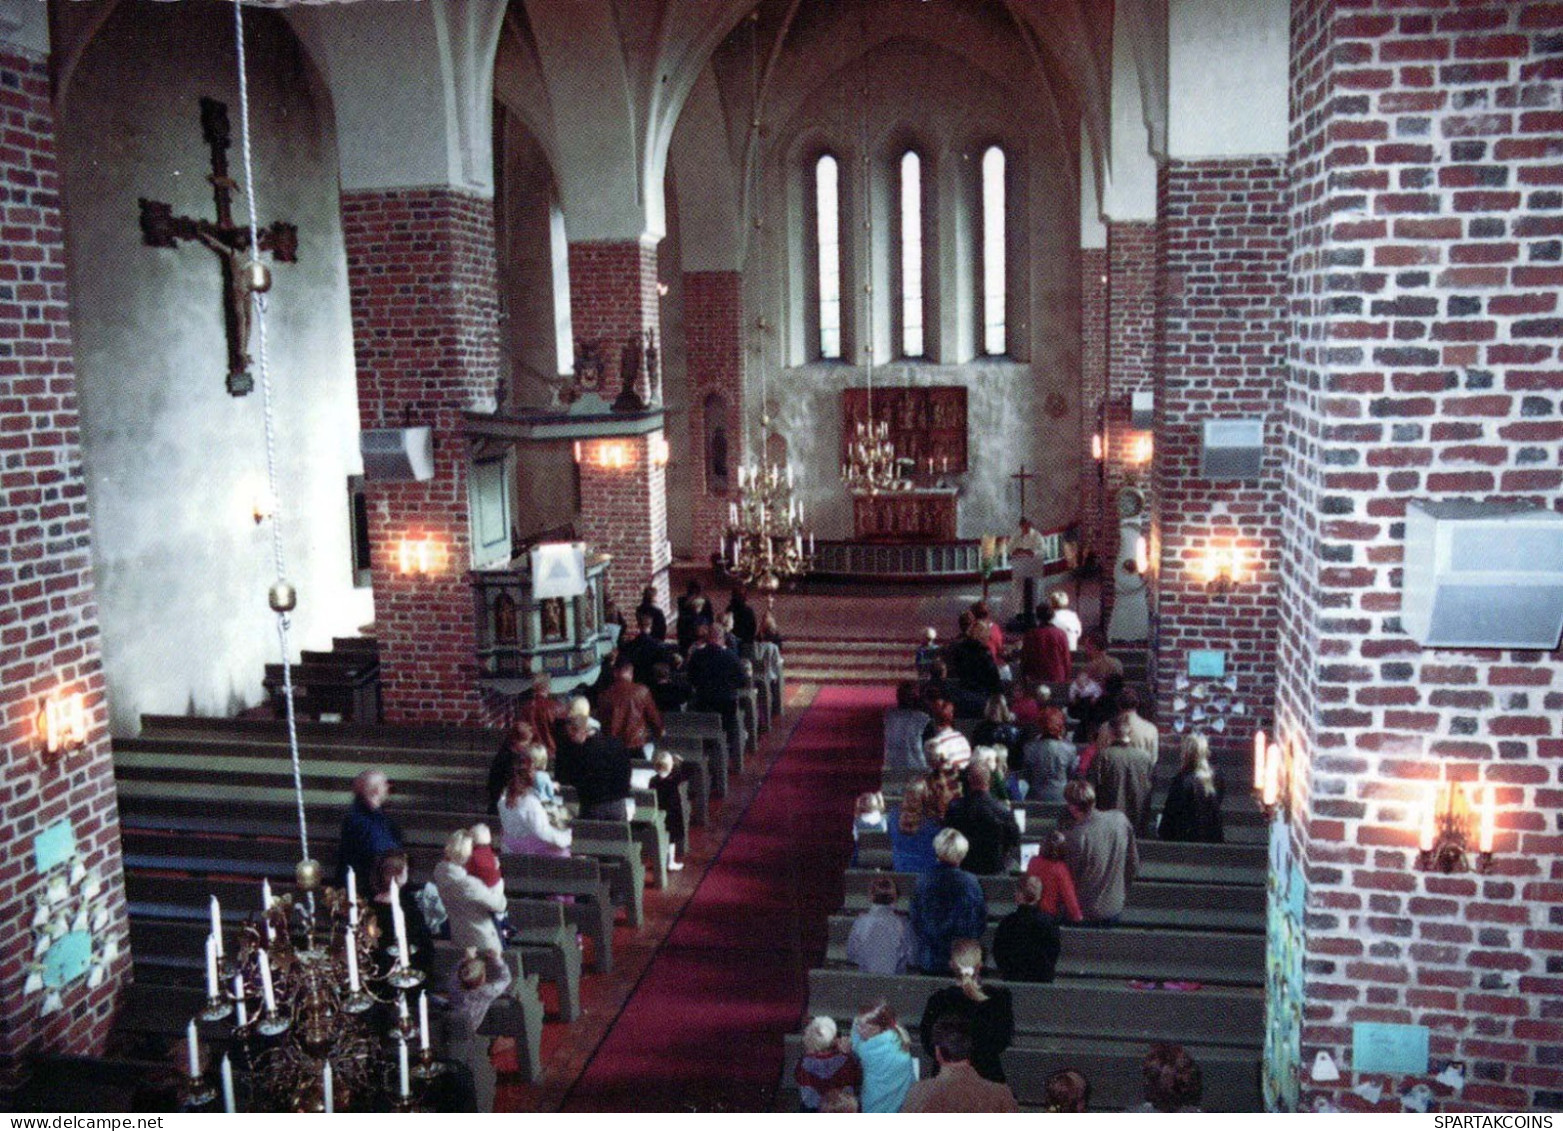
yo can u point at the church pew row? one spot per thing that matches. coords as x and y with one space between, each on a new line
1152 903
1242 825
183 895
157 782
1231 1076
172 949
1162 954
1159 859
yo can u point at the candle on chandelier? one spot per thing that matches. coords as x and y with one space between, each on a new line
217 925
327 1087
1261 745
238 1001
227 1074
265 895
352 962
352 898
211 967
267 994
401 1066
811 543
193 1048
401 1009
399 922
1272 790
423 1020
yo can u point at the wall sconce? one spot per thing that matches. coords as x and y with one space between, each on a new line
62 724
1444 843
1222 571
659 451
1271 779
610 455
1142 449
418 556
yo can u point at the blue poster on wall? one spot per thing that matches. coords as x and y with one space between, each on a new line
68 959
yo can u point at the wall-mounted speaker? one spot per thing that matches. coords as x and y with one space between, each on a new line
1142 410
1232 449
397 454
1483 575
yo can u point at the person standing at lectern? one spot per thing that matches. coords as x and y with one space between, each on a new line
1026 565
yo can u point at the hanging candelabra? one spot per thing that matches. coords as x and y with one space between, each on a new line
872 464
766 542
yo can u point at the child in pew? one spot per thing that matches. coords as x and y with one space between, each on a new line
870 817
543 782
1067 1092
670 774
483 865
1059 898
828 1064
884 1048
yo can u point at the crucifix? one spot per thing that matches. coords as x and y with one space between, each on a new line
243 273
1023 475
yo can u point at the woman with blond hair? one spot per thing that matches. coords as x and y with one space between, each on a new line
990 1012
912 829
1192 811
884 1049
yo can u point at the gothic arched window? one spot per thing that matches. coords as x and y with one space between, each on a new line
827 224
911 188
994 340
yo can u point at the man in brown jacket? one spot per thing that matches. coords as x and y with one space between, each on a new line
957 1087
628 710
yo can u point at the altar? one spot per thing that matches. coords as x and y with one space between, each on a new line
921 514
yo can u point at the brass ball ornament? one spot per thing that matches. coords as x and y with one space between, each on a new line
282 597
307 873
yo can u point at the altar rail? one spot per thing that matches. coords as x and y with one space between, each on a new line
924 561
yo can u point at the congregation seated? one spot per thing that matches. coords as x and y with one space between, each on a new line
904 726
1049 760
884 1051
989 827
1192 810
958 1086
990 1013
881 941
1173 1081
1026 943
367 830
947 904
913 828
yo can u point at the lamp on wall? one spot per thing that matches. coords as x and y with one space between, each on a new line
1222 570
1448 822
609 455
418 556
62 724
1141 451
659 451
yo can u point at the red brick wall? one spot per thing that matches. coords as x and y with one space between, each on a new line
1093 386
1221 334
1131 325
1427 211
424 299
714 329
48 613
613 298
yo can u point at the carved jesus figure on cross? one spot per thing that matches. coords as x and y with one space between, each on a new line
231 242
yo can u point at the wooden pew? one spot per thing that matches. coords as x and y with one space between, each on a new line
614 844
707 729
1159 954
517 1014
578 876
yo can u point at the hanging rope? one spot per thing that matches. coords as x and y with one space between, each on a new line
258 300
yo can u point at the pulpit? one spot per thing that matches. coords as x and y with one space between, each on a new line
922 514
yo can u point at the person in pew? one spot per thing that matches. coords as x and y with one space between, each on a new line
1044 650
526 825
717 677
517 742
1102 853
651 612
990 1013
1051 868
770 631
367 830
745 623
1029 703
1026 943
884 1048
999 728
995 759
870 817
694 609
483 865
972 668
1049 760
670 773
989 827
1192 811
927 652
1122 774
827 1065
1173 1081
904 726
471 905
935 685
1098 665
644 651
542 780
944 786
1131 729
670 691
958 1086
391 869
983 616
598 766
913 828
1067 1092
1064 617
629 710
947 904
542 711
948 747
881 940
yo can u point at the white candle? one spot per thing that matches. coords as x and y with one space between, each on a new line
217 925
266 990
401 1066
399 920
265 895
789 476
193 1047
1260 747
211 967
352 961
228 1105
238 1002
423 1020
352 898
326 1088
401 1009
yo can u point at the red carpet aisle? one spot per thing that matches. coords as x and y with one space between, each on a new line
703 1030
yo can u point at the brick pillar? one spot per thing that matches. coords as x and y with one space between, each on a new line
49 639
1131 324
1093 389
421 270
714 328
1222 339
613 300
1426 290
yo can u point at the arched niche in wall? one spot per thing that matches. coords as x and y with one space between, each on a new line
718 444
